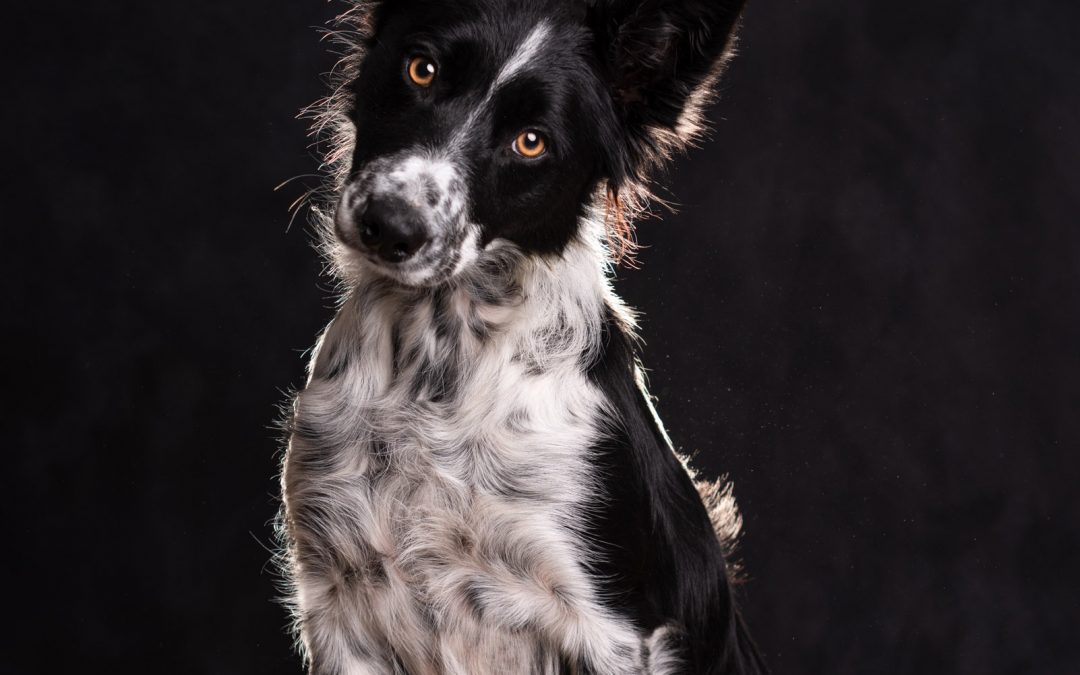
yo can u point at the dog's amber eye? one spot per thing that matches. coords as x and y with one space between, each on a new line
422 71
530 144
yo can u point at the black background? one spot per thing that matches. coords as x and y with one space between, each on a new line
865 311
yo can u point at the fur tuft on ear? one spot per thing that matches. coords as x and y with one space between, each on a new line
663 58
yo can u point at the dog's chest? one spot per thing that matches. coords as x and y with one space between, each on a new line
441 417
454 457
437 473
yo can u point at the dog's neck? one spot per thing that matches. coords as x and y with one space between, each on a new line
542 311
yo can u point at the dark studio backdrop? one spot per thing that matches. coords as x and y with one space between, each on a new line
866 311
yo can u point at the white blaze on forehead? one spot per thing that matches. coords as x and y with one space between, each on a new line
525 53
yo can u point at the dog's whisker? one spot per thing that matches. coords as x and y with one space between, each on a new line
295 178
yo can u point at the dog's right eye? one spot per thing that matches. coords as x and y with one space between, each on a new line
421 71
530 144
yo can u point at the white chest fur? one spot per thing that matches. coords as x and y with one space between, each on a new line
437 473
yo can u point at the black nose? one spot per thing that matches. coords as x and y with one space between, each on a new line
391 228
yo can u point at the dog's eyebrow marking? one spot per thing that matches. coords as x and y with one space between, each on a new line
522 56
525 52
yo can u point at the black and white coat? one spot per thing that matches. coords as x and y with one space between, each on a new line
476 481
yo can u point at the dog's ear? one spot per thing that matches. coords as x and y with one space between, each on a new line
662 59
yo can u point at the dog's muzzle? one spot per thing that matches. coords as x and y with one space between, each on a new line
406 215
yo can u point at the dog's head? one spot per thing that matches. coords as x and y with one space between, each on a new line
474 124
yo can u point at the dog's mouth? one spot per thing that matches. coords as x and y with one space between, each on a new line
435 264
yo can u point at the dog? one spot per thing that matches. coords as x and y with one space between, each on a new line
476 480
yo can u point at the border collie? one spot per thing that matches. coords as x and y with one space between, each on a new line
476 480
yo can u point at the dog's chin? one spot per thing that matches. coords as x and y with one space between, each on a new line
413 275
432 266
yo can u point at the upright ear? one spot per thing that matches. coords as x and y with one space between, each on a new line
663 58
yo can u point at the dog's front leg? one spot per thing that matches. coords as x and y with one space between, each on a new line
528 579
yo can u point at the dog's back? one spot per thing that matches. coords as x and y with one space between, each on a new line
476 481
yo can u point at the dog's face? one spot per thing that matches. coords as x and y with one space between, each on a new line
488 122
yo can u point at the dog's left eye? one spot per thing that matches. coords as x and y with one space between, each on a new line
530 144
422 71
